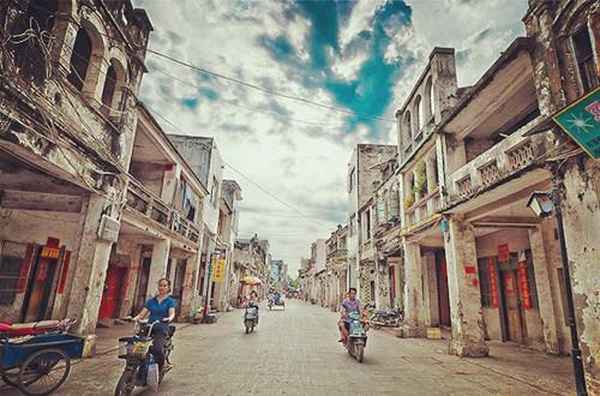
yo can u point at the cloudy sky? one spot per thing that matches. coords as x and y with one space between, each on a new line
356 59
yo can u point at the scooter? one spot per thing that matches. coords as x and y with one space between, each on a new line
357 337
251 317
141 368
386 318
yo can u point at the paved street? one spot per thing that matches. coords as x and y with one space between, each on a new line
294 352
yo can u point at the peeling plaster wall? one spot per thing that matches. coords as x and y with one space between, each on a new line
581 213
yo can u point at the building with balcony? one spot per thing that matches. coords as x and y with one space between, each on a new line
161 230
250 260
67 125
364 177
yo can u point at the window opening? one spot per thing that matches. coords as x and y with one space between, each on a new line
110 84
585 59
80 59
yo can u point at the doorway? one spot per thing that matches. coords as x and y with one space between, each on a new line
142 285
39 296
111 296
442 288
178 283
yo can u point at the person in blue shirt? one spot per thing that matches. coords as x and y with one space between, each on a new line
159 308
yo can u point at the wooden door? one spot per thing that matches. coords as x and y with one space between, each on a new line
392 274
37 298
111 295
442 286
511 302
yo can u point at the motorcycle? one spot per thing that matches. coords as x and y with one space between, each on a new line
357 337
141 368
386 318
251 317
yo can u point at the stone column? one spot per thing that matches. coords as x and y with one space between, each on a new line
413 290
544 291
158 265
465 298
90 269
133 274
382 285
581 216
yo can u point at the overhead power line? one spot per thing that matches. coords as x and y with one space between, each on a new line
257 185
264 90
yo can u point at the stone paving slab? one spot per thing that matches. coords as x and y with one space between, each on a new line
294 352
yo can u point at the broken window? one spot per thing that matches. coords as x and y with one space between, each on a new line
110 84
11 259
584 56
80 59
30 39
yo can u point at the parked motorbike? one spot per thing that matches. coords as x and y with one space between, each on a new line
251 317
141 368
386 318
357 337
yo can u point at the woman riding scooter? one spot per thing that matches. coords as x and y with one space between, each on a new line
159 308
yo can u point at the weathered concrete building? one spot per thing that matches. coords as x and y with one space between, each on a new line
250 257
227 233
337 267
67 125
161 227
566 67
364 177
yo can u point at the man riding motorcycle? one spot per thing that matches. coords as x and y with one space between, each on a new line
350 304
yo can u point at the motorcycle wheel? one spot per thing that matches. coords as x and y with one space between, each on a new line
126 384
360 352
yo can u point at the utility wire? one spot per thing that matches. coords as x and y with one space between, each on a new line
264 90
257 185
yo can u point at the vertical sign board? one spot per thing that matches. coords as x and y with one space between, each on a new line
524 283
493 282
219 270
581 121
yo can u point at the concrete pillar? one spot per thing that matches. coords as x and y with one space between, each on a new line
581 216
382 285
158 265
413 290
90 269
189 293
465 298
133 274
544 291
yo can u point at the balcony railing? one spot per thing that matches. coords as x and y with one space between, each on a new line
508 156
424 208
142 200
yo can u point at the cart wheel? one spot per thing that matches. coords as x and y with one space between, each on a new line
43 372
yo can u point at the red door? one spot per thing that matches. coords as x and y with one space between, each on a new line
112 290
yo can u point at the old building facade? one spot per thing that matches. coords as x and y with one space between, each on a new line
70 72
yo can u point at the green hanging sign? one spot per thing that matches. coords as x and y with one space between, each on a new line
581 121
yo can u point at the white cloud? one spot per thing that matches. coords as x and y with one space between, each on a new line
360 20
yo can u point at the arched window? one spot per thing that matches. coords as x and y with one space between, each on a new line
108 92
408 127
419 119
429 98
80 59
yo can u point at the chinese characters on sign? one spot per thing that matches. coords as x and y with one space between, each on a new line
219 270
581 121
493 282
524 283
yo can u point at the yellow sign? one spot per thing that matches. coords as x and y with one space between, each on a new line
219 270
50 252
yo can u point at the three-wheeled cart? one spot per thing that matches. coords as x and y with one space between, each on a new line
38 364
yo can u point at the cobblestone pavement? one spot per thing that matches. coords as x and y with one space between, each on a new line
294 352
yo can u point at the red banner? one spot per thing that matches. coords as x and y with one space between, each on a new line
503 253
493 282
524 285
65 271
